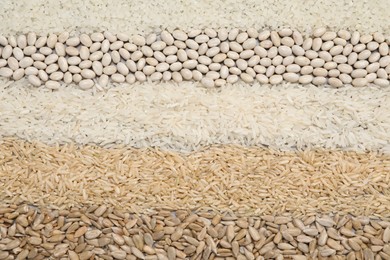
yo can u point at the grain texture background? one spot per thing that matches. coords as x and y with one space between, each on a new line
44 16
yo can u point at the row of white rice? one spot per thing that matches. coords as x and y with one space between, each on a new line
44 16
185 117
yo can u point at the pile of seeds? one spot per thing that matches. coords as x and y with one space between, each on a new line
212 57
249 181
98 232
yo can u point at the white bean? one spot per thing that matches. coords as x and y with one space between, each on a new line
74 69
192 44
109 36
201 38
13 63
88 74
246 78
287 41
86 40
51 59
148 70
213 42
294 68
118 78
21 41
130 47
336 50
179 35
86 84
320 72
305 79
384 61
359 82
60 49
371 77
207 82
97 37
223 34
125 54
284 51
328 36
171 59
335 82
6 72
51 84
190 64
103 80
116 45
106 60
196 75
345 78
71 51
291 77
275 79
272 52
39 65
381 82
307 44
31 71
176 76
158 45
344 34
253 61
40 42
297 50
306 70
34 80
302 61
63 37
140 76
373 67
109 70
280 69
330 65
156 76
167 38
7 52
355 38
317 43
151 61
277 60
176 66
56 76
3 63
52 68
246 54
298 39
361 64
275 38
31 39
115 57
186 74
130 78
97 67
167 75
319 81
29 50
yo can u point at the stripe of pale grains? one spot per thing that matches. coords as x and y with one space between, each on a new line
249 181
138 16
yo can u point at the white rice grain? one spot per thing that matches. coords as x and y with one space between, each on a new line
131 17
184 117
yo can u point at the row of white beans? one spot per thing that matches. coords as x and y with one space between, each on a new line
212 57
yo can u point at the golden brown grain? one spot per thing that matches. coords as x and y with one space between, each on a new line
249 181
